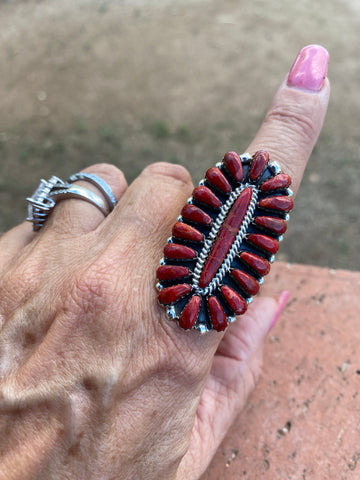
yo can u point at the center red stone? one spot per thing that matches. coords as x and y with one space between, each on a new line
225 237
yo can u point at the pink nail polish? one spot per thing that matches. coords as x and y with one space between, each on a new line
309 69
284 298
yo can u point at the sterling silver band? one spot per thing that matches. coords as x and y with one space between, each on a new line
99 183
82 193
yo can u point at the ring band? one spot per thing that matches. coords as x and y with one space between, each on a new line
99 183
82 193
49 192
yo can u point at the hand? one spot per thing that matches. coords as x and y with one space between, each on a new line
96 383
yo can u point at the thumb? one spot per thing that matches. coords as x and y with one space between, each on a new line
295 117
234 373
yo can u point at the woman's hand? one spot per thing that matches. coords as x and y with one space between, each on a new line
96 383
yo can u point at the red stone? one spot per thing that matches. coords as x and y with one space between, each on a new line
263 241
217 178
205 195
282 203
217 314
195 214
258 164
277 225
188 316
184 231
279 181
249 283
172 294
260 265
237 304
232 162
225 237
174 250
171 272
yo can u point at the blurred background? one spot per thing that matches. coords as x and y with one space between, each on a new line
133 82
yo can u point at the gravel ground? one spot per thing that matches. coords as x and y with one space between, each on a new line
132 82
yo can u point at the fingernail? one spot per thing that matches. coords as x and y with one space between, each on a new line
284 298
309 69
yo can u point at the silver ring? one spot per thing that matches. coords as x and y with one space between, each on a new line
49 192
82 193
99 183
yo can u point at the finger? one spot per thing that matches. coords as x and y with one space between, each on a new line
75 216
152 203
233 375
13 241
294 120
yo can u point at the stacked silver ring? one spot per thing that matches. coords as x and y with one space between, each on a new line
49 192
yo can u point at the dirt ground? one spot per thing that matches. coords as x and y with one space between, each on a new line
131 82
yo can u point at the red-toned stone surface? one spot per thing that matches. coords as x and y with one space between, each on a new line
232 162
277 225
303 419
190 312
176 251
170 272
235 301
264 242
184 231
171 294
259 264
195 214
225 237
217 314
217 178
258 164
283 203
249 283
279 181
205 195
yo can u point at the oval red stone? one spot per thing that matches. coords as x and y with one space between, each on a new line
258 164
263 241
171 272
176 251
195 214
217 178
237 304
205 195
249 283
282 203
232 162
225 237
217 314
172 294
188 316
276 225
184 231
279 181
259 264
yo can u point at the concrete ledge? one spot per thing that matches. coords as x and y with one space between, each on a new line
303 420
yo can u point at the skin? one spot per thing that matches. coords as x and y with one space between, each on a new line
95 382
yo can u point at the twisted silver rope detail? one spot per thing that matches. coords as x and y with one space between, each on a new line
213 234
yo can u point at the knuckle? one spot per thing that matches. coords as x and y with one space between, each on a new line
105 169
292 121
170 170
